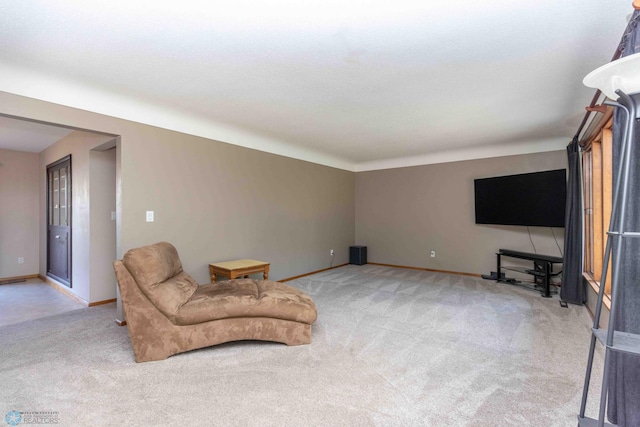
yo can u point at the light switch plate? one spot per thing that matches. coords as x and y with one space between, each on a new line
113 215
149 216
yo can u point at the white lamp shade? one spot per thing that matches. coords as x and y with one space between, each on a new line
623 74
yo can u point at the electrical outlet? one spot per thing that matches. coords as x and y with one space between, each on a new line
149 216
21 260
433 254
331 252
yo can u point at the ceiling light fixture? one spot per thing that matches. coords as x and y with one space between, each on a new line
622 74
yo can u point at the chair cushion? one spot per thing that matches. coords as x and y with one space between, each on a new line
247 298
158 272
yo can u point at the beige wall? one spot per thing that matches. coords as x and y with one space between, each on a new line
402 214
212 200
218 202
102 165
19 213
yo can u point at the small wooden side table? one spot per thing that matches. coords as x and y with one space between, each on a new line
239 268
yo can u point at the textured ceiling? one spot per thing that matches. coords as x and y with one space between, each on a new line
357 85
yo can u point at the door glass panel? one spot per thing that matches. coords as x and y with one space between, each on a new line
63 196
56 198
50 198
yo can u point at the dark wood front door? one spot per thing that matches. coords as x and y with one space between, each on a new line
59 220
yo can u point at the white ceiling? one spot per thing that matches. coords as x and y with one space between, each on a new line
22 135
352 84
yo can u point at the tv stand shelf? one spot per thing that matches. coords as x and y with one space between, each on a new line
542 270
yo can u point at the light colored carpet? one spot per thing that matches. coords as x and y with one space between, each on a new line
390 347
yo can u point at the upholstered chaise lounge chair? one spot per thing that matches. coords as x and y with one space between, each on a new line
167 312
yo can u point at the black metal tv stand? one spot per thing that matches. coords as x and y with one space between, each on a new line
542 270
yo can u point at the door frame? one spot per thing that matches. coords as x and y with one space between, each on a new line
69 208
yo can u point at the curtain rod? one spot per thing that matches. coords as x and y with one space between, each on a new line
592 106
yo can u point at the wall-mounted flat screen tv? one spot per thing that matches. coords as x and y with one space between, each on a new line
532 199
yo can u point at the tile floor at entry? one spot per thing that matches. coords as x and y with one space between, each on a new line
32 299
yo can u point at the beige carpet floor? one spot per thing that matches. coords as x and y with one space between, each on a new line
391 347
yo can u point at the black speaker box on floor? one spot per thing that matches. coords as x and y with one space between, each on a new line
357 255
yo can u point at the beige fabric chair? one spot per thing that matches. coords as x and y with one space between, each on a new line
167 312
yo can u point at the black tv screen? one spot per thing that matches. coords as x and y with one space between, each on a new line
532 199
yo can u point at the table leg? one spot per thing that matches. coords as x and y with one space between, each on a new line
212 274
265 273
547 280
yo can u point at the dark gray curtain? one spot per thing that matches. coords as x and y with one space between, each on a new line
573 289
624 381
